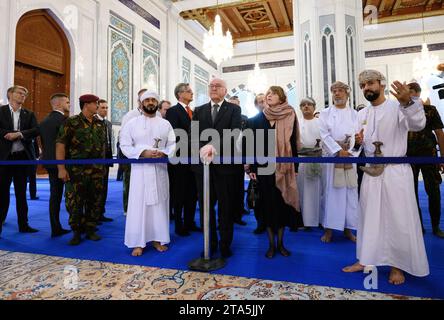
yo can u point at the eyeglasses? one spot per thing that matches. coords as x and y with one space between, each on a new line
217 86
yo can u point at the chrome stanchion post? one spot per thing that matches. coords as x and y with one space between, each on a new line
206 263
206 208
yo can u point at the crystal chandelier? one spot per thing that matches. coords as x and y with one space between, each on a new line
257 80
216 45
424 66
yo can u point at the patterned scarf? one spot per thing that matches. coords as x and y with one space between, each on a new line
284 118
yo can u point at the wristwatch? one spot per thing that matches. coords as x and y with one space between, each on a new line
410 103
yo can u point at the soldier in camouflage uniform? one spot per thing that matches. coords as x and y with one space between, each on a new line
423 144
83 137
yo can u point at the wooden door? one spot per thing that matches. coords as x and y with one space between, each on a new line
41 85
43 61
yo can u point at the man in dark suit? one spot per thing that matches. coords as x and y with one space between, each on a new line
32 172
218 115
49 129
102 113
240 185
164 105
182 182
259 103
18 127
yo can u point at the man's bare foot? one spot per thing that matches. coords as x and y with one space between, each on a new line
159 247
137 252
396 276
354 268
328 235
349 235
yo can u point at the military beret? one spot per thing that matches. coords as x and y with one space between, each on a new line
87 98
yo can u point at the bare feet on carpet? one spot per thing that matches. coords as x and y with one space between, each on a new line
137 252
396 276
328 235
349 235
354 268
159 247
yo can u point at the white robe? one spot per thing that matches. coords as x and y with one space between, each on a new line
309 185
148 204
129 116
339 205
389 230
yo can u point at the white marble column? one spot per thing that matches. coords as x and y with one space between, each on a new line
311 18
7 41
173 58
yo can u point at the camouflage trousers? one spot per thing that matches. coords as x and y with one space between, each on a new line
83 197
432 180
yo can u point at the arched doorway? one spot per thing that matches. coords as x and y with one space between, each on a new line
42 60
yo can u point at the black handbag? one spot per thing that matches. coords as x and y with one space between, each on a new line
252 194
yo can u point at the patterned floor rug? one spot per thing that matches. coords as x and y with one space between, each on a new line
36 277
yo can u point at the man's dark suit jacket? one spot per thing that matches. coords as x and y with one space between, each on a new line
179 119
109 142
49 129
28 127
228 117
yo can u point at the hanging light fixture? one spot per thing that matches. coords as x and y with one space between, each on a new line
424 66
257 80
216 45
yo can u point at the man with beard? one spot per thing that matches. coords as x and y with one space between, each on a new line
309 174
148 136
389 229
126 168
340 181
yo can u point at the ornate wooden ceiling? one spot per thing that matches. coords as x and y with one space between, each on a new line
249 20
260 19
396 10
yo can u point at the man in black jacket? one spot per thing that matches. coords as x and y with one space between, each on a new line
240 185
102 113
218 115
182 181
18 127
32 171
49 128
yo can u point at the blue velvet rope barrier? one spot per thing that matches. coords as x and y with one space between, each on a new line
237 160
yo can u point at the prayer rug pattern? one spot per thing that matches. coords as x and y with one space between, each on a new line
26 276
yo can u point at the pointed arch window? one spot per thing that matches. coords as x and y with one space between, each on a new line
329 62
351 63
308 71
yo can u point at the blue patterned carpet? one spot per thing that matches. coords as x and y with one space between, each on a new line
311 262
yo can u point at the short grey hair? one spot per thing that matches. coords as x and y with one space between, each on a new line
179 88
308 100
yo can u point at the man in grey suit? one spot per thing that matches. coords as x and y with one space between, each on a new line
102 113
49 128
